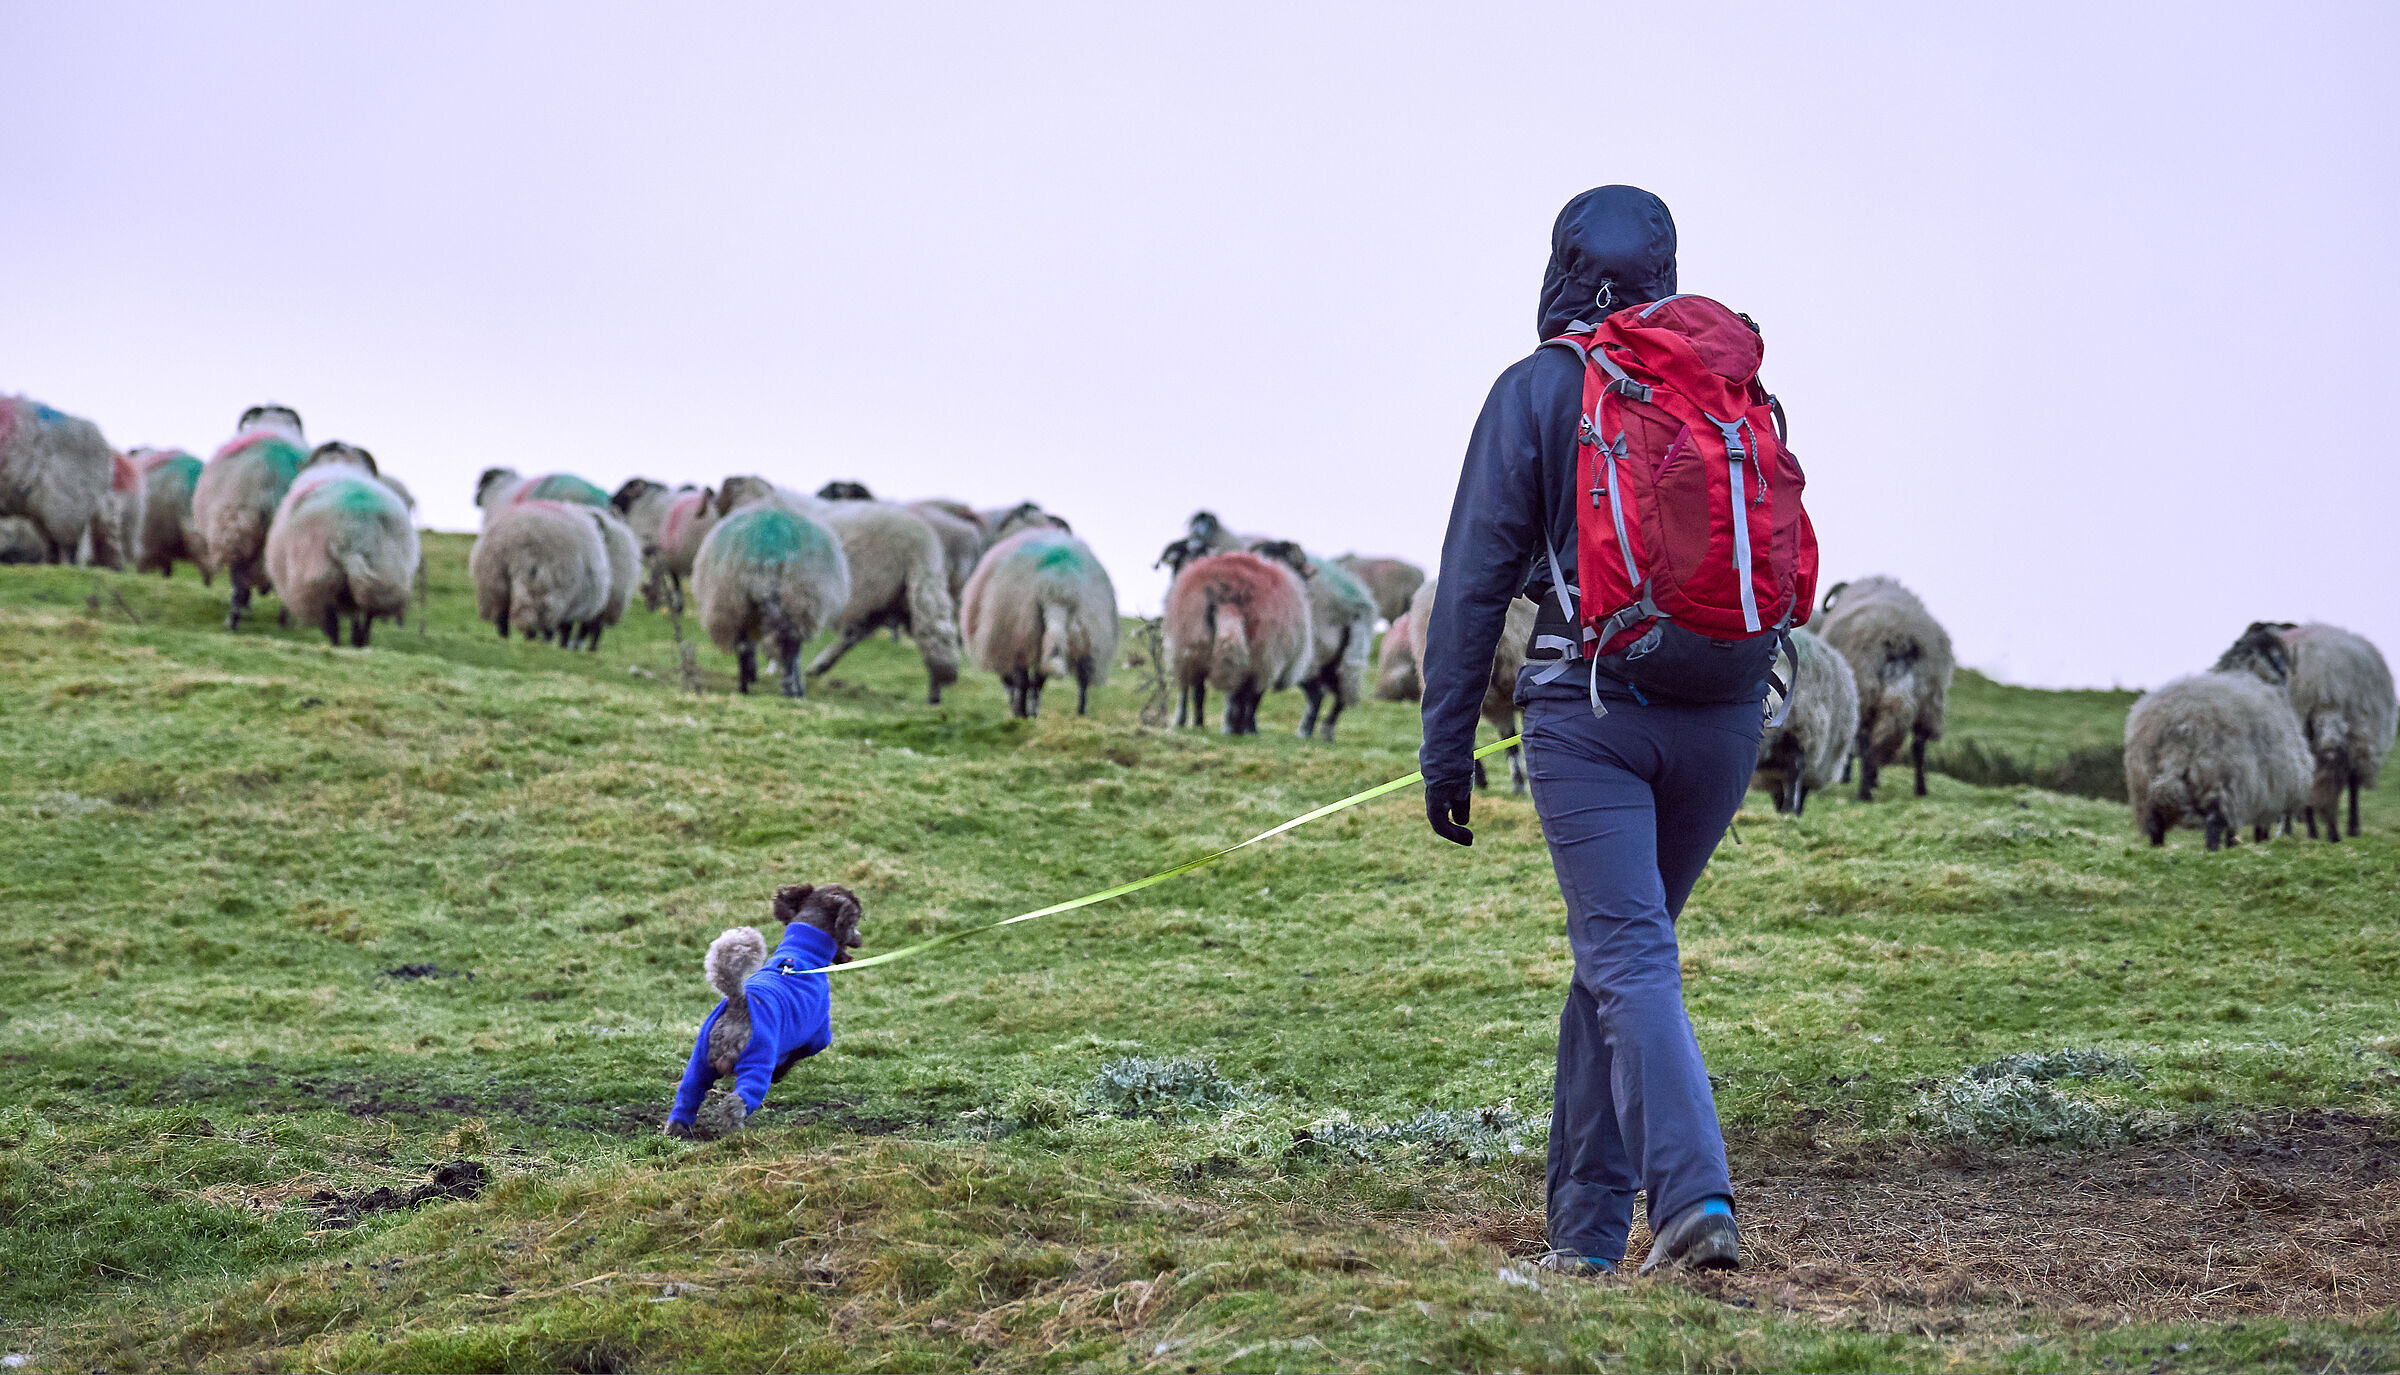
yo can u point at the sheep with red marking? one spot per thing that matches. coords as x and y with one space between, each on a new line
1239 622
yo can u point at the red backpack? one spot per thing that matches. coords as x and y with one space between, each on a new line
1694 555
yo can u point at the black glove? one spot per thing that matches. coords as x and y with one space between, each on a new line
1446 807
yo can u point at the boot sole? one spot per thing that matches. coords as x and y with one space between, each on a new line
1711 1243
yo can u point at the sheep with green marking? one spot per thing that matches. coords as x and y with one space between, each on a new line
168 476
1039 607
769 574
342 545
234 500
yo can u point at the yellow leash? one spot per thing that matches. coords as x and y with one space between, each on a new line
1160 877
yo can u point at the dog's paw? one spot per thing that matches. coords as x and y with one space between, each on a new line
681 1131
721 1114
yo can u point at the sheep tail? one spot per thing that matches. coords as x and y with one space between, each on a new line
1229 664
734 957
1056 619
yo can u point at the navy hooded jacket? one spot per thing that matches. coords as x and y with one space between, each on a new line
1612 247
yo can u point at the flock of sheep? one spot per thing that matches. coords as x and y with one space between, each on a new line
2290 716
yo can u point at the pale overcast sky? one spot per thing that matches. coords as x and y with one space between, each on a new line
2084 313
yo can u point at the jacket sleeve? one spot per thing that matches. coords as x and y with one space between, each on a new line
697 1076
1495 533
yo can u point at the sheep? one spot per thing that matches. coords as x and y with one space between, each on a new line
624 574
670 525
844 491
1004 521
1806 752
342 544
1900 657
1241 622
1040 606
2341 693
963 532
2221 749
1392 582
56 472
769 572
498 488
22 541
1341 617
1396 664
1500 693
167 479
115 536
898 576
234 500
542 568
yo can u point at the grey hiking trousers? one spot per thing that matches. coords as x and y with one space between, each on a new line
1632 804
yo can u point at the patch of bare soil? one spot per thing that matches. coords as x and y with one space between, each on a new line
458 1179
2294 1215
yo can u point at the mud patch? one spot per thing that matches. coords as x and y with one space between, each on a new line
461 1179
428 971
2292 1215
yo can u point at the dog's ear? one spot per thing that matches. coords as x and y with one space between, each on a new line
788 900
843 912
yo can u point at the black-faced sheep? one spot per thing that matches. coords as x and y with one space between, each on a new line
964 533
168 476
234 500
541 568
56 471
498 488
1341 617
1040 606
2220 750
1900 658
1806 752
769 574
1004 521
1396 677
1240 622
1500 694
1393 583
2340 689
342 545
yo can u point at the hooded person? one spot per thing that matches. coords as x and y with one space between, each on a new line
1631 801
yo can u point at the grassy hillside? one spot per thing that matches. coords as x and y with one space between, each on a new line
288 925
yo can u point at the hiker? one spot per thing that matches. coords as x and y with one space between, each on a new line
1639 422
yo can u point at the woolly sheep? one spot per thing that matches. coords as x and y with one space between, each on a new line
55 471
116 532
1040 606
22 541
689 516
1807 751
540 567
234 500
624 574
342 544
497 488
168 476
1004 521
1396 664
1341 617
2220 750
1500 694
1240 622
769 573
898 576
963 533
1900 657
2340 689
1392 582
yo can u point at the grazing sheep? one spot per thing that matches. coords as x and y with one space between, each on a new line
2221 750
168 476
496 488
116 533
690 514
770 1018
234 500
56 471
1341 616
1041 606
1213 536
22 541
963 534
1392 582
624 574
1004 521
1807 751
769 573
1900 656
1238 621
541 568
342 544
1396 677
2341 692
1500 694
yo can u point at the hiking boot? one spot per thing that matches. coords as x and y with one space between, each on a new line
1701 1237
1566 1262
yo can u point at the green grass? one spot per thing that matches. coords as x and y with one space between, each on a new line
218 844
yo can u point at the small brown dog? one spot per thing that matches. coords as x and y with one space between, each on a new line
777 1009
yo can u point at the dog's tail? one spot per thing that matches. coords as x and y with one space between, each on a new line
733 957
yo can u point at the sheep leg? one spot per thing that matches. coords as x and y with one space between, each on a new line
1331 717
745 657
2218 831
1316 702
1083 687
591 634
1233 713
241 597
1916 756
1516 768
503 623
332 626
2309 815
851 635
2354 802
787 658
1867 774
361 628
1033 695
2258 834
1200 705
1482 779
1799 795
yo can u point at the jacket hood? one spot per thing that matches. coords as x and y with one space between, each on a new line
1617 237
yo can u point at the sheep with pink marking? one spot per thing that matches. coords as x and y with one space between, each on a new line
116 532
1239 622
234 500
